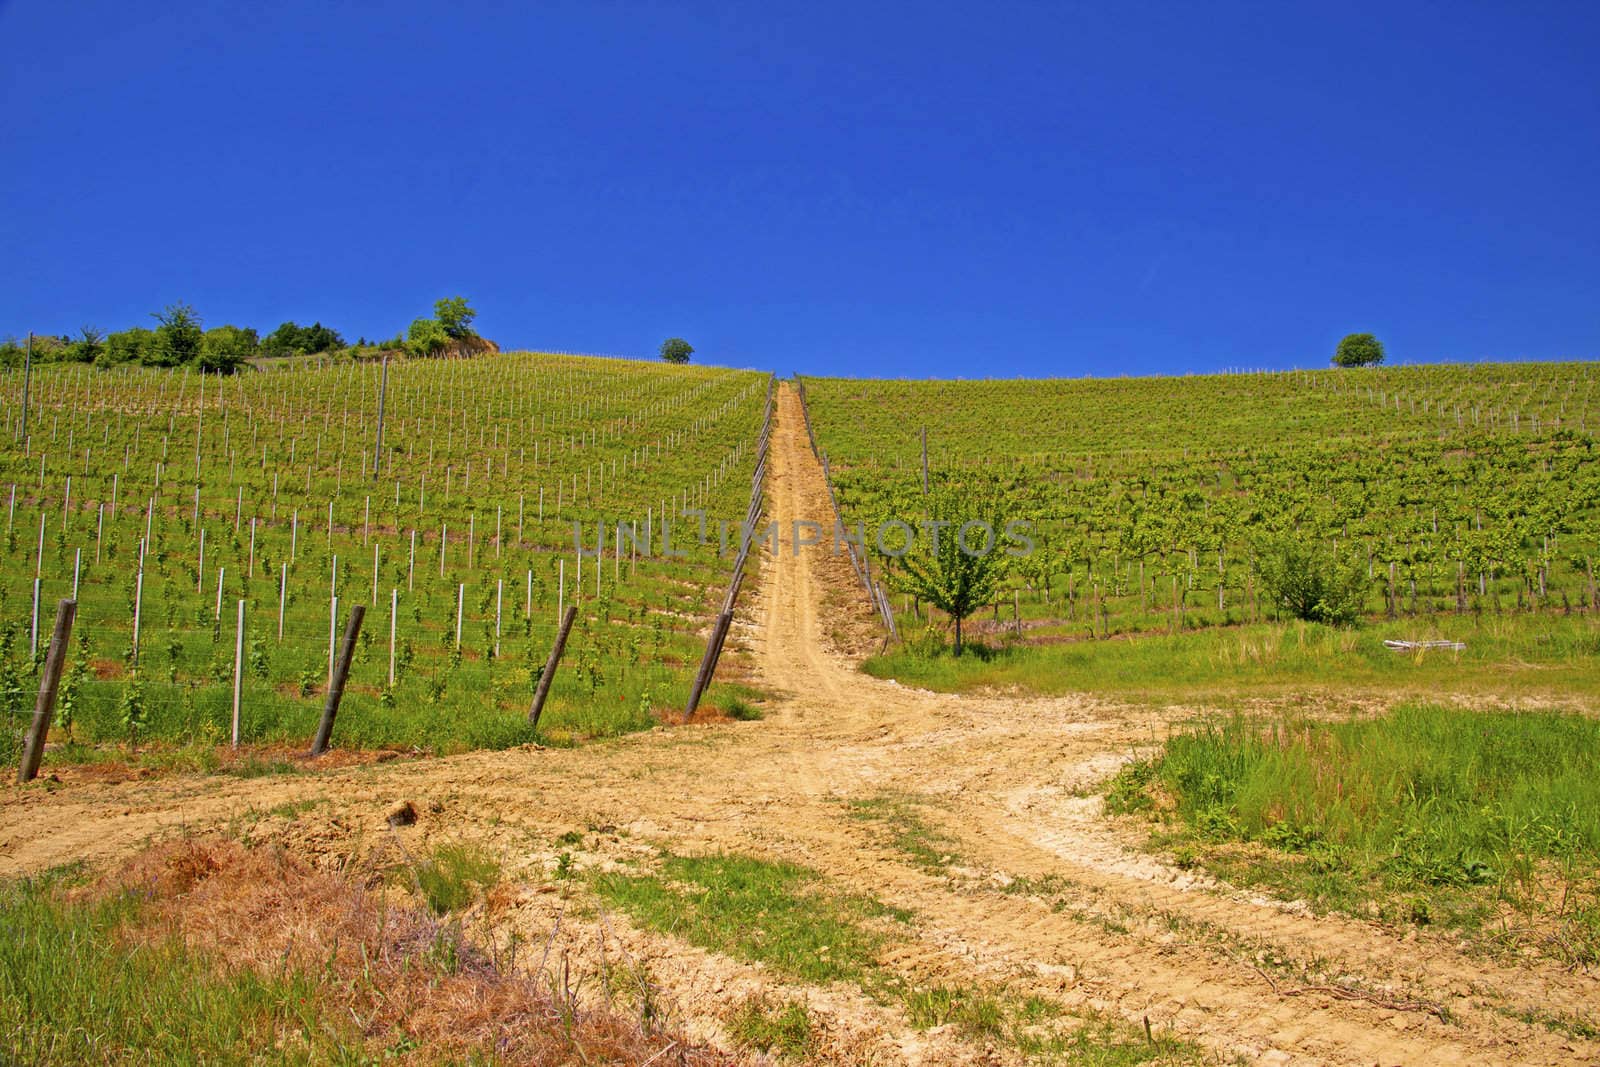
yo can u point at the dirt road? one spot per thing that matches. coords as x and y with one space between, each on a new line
1032 891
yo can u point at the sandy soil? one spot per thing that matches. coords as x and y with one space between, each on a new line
1007 781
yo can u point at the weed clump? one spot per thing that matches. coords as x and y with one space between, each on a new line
454 876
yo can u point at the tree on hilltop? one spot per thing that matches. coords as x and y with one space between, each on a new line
87 348
1358 350
178 336
452 322
455 316
676 350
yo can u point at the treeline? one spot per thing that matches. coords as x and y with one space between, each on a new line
180 339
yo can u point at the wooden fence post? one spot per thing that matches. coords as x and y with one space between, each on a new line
33 751
549 672
347 652
708 662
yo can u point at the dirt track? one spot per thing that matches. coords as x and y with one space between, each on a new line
1004 779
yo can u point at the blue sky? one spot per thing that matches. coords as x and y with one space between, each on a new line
868 189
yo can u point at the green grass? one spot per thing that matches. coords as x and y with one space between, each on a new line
901 826
1042 1030
200 951
786 917
779 914
454 876
741 710
1426 815
1104 1041
785 1028
1558 1022
72 992
292 809
1553 659
977 1016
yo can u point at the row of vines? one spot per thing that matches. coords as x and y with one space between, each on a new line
1449 488
498 491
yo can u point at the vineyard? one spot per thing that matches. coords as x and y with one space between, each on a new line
202 520
1454 491
1309 865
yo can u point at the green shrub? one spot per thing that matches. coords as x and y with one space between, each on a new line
1311 582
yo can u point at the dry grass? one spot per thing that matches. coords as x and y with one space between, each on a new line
392 973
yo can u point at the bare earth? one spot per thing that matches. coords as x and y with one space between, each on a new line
1008 781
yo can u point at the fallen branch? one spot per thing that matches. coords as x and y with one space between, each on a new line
1340 992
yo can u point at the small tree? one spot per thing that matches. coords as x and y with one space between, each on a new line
455 316
956 563
1358 350
676 350
177 337
88 346
1311 582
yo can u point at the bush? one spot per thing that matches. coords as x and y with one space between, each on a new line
1311 583
225 349
291 339
128 346
426 337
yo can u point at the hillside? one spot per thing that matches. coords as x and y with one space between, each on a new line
164 500
1465 489
1209 840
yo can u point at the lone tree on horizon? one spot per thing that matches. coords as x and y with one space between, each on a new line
676 350
1358 350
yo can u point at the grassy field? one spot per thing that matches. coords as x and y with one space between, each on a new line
1546 659
164 499
1484 823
